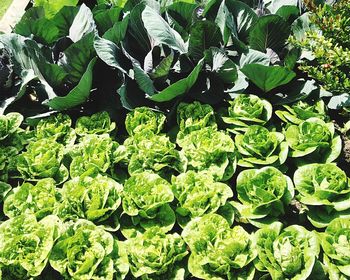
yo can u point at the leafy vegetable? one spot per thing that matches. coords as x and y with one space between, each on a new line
315 139
57 127
324 189
40 199
335 244
198 194
91 154
156 255
85 251
301 111
91 198
288 253
98 123
9 124
246 110
154 153
43 159
194 116
217 251
146 199
26 245
143 118
264 194
210 150
259 146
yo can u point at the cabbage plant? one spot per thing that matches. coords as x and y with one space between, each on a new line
335 243
25 245
325 190
210 150
264 195
91 198
86 251
246 110
288 253
57 127
39 199
301 111
144 119
259 146
156 255
146 199
197 194
98 123
314 140
218 251
194 116
9 123
92 154
43 159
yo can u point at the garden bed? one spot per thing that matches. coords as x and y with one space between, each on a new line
175 140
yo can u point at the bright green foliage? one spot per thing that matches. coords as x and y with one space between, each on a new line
156 255
151 152
25 245
324 189
210 150
142 119
51 7
43 159
206 78
39 199
217 251
328 47
194 116
314 140
91 198
85 251
301 111
98 123
91 154
264 194
9 124
146 199
7 155
288 253
246 110
197 194
259 146
57 127
335 243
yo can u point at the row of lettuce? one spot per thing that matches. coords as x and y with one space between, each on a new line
208 248
162 205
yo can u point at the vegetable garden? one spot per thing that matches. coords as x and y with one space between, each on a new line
171 139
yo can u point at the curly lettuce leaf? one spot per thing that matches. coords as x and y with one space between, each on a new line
39 199
142 119
210 150
218 251
98 123
156 255
25 244
85 251
198 194
259 146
